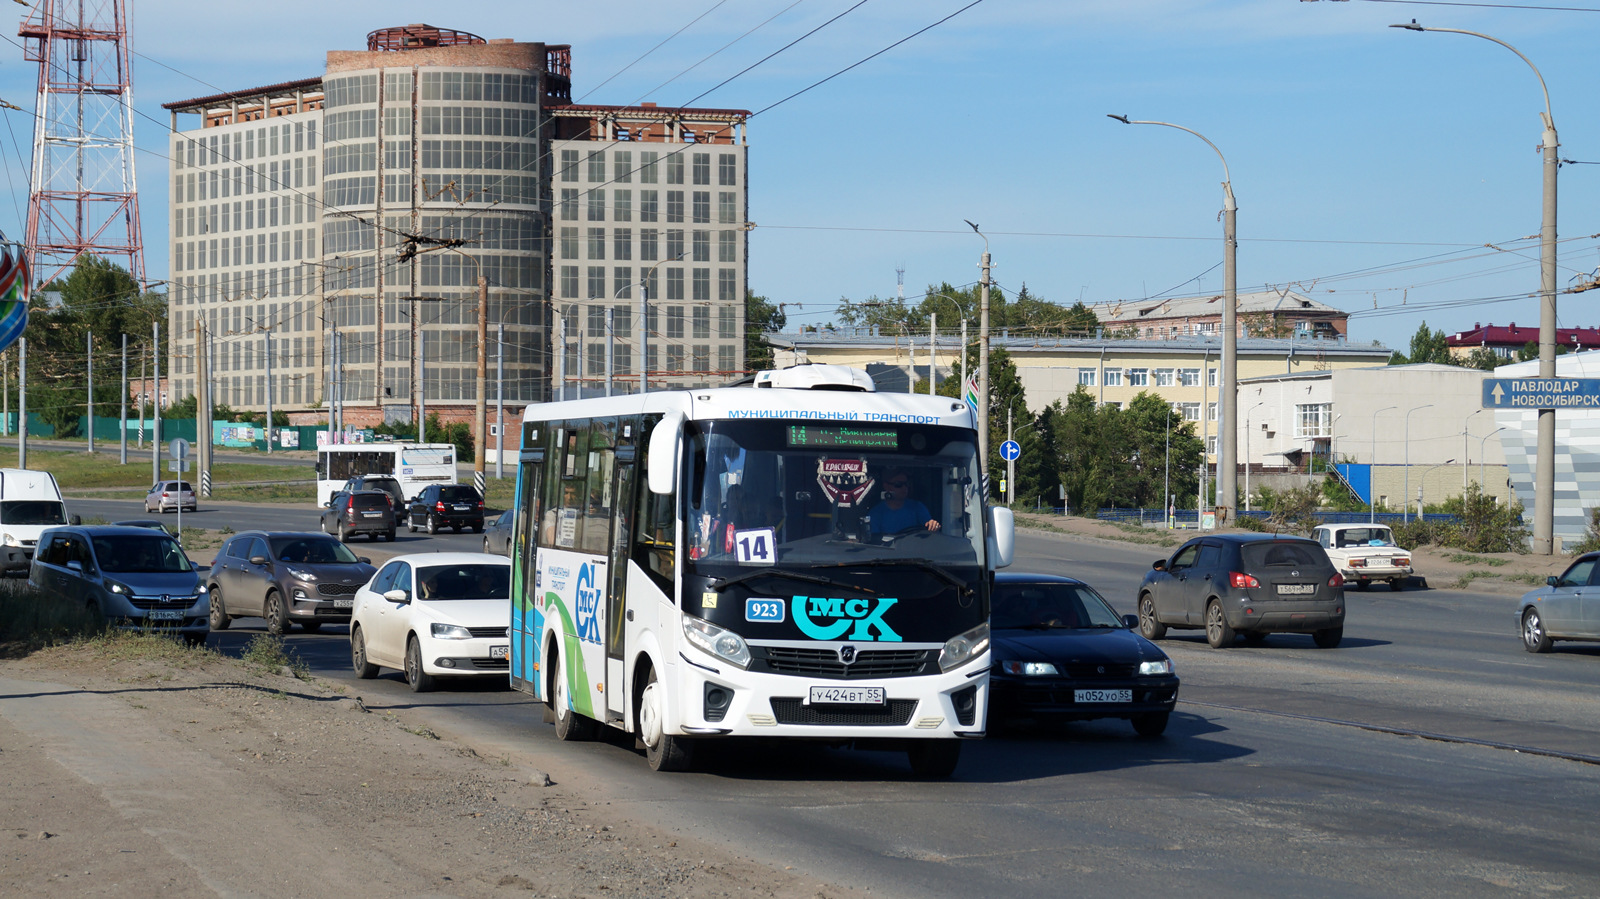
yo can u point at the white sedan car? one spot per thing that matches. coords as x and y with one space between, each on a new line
434 615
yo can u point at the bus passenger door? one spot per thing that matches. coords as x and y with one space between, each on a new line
622 486
526 619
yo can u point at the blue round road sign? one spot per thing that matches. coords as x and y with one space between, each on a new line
1010 450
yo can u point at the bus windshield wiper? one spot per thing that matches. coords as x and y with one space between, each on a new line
927 565
724 583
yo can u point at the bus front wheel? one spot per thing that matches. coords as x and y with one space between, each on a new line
663 751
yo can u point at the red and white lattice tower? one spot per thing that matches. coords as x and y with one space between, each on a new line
83 197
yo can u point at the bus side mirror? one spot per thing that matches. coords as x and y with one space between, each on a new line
1002 536
662 465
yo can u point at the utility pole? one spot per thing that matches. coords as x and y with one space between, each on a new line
561 356
155 429
88 348
481 444
933 346
983 363
5 393
202 423
122 416
144 360
500 400
611 343
22 402
269 393
422 385
1011 464
961 391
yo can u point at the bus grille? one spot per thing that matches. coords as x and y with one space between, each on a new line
795 711
869 663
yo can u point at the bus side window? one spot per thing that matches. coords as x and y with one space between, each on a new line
655 537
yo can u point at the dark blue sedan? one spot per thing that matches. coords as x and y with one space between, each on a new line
1062 653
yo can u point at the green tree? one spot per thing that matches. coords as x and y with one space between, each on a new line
1426 346
1484 358
760 315
96 297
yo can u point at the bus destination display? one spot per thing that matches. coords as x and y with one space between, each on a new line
813 437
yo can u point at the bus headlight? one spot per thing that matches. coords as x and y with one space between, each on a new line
962 649
717 641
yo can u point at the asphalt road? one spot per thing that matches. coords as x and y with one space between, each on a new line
1427 755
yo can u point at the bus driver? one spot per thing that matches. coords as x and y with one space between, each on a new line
898 512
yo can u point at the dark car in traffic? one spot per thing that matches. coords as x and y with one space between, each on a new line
286 578
454 506
134 578
1062 653
386 483
497 538
369 512
1245 584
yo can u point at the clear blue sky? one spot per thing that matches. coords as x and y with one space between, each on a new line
1372 165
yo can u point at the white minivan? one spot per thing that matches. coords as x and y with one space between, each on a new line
30 501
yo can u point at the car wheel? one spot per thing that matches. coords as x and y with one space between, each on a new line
411 527
664 752
358 655
934 758
389 537
433 525
486 544
420 681
1328 637
344 535
311 627
276 613
1218 633
1397 585
1149 626
570 725
219 613
1153 724
1534 637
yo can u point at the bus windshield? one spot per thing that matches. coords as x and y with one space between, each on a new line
775 492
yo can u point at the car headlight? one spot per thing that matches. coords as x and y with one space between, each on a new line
202 590
717 641
123 589
297 574
962 649
450 632
1159 667
11 540
1028 669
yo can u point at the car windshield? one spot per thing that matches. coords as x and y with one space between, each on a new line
1290 553
774 492
140 554
33 511
312 551
443 582
1047 605
1367 536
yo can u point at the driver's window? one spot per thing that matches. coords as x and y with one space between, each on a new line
402 579
1322 539
1578 574
384 582
1185 558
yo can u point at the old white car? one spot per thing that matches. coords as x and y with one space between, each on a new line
1364 553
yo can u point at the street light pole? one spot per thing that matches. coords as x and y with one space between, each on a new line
1228 444
983 365
1466 455
1544 479
1423 484
644 322
1482 448
1406 517
1247 455
1372 470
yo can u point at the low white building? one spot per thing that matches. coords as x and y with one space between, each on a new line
1577 488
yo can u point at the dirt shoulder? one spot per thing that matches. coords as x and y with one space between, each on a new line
1510 574
181 773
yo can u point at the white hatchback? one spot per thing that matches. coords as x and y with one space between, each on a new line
434 615
171 495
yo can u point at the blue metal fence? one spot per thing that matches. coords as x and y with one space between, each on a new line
1189 518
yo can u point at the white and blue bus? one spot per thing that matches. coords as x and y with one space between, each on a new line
414 465
802 558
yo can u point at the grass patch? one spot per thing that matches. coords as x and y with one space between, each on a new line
1526 578
32 619
268 652
298 492
1140 534
146 646
1469 559
81 471
1462 581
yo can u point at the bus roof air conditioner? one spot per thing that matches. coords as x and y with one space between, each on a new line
817 377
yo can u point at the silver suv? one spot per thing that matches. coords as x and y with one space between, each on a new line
133 577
